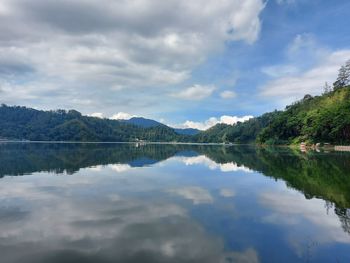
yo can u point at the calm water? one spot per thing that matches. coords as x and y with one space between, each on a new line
167 203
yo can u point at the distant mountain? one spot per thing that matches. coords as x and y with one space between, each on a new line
187 131
143 122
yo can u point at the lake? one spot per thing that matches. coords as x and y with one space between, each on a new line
172 203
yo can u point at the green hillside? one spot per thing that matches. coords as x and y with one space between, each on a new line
23 123
245 132
323 118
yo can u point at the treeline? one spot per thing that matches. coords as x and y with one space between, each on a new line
23 123
314 119
242 132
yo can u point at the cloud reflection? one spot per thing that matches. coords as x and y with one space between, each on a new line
292 208
196 194
56 221
223 167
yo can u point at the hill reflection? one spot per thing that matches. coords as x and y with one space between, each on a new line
320 175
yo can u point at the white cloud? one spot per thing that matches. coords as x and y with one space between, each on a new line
308 66
280 70
122 116
231 120
120 168
308 82
196 194
107 221
233 167
228 94
291 208
225 119
96 114
302 53
223 167
96 48
196 92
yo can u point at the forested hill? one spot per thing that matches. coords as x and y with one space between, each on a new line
23 123
323 118
242 132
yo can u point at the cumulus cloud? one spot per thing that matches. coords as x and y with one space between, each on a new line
225 119
228 94
96 48
196 92
96 114
118 226
122 116
120 168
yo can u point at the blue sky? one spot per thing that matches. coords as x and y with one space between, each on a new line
189 64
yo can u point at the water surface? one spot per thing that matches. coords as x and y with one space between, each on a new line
172 203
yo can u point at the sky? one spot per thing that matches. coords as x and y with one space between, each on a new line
184 63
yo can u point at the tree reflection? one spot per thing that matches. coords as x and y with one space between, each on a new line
344 216
316 175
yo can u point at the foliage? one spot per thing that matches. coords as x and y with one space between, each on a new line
343 76
29 124
242 132
323 118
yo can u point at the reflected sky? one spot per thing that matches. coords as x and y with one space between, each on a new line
167 203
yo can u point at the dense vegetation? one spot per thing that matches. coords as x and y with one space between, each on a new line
245 132
29 124
324 119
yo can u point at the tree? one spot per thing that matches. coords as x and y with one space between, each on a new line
343 76
326 88
307 97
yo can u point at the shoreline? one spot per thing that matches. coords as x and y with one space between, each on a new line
140 143
337 148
